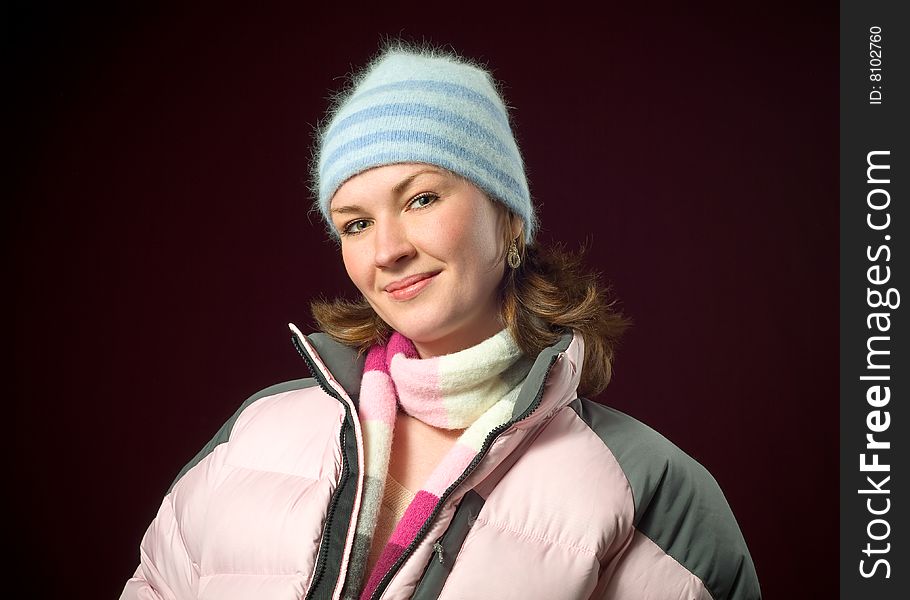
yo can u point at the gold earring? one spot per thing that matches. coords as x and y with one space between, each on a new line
514 257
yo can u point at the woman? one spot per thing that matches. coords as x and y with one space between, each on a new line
441 449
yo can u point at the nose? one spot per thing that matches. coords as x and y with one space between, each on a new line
393 243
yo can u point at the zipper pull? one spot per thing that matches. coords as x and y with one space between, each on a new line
437 547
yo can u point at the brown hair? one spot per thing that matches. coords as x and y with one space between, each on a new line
549 293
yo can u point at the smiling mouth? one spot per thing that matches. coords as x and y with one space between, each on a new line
410 287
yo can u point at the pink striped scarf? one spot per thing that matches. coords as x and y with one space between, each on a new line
474 389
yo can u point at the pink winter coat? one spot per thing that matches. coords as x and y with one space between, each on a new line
568 500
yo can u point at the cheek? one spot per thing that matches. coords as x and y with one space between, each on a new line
354 266
472 234
485 238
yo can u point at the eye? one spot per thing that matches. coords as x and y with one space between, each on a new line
355 227
423 200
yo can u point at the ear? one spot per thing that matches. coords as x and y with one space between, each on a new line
516 224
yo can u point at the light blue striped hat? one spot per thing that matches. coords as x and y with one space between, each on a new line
424 105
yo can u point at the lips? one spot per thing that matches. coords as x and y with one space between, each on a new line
409 287
408 281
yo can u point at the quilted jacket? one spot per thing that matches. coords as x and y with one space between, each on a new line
568 500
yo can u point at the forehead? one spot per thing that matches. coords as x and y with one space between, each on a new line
389 180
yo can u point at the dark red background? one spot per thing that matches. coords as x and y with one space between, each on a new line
160 242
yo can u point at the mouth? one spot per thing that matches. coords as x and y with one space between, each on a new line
407 288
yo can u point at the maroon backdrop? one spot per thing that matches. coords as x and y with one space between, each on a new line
160 241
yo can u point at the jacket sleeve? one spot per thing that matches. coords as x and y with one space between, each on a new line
683 541
166 570
684 524
138 587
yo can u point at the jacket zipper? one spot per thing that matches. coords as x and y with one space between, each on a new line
487 443
437 548
321 558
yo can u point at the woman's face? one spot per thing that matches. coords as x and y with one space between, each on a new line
424 247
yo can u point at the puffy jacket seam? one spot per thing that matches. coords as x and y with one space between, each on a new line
223 436
270 472
186 547
625 477
632 494
676 560
251 573
538 538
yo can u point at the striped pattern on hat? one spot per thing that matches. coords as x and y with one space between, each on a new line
423 106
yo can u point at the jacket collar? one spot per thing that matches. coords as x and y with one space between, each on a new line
343 366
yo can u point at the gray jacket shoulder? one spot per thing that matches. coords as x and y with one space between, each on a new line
678 503
224 432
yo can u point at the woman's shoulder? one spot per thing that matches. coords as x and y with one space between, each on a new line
268 411
678 504
296 395
649 460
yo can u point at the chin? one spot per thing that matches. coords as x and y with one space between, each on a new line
421 330
420 333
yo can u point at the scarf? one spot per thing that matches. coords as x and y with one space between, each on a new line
473 389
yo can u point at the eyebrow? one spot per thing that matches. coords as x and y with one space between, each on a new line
397 189
404 183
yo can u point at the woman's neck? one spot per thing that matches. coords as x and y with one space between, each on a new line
465 337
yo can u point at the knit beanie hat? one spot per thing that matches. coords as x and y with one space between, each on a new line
425 105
